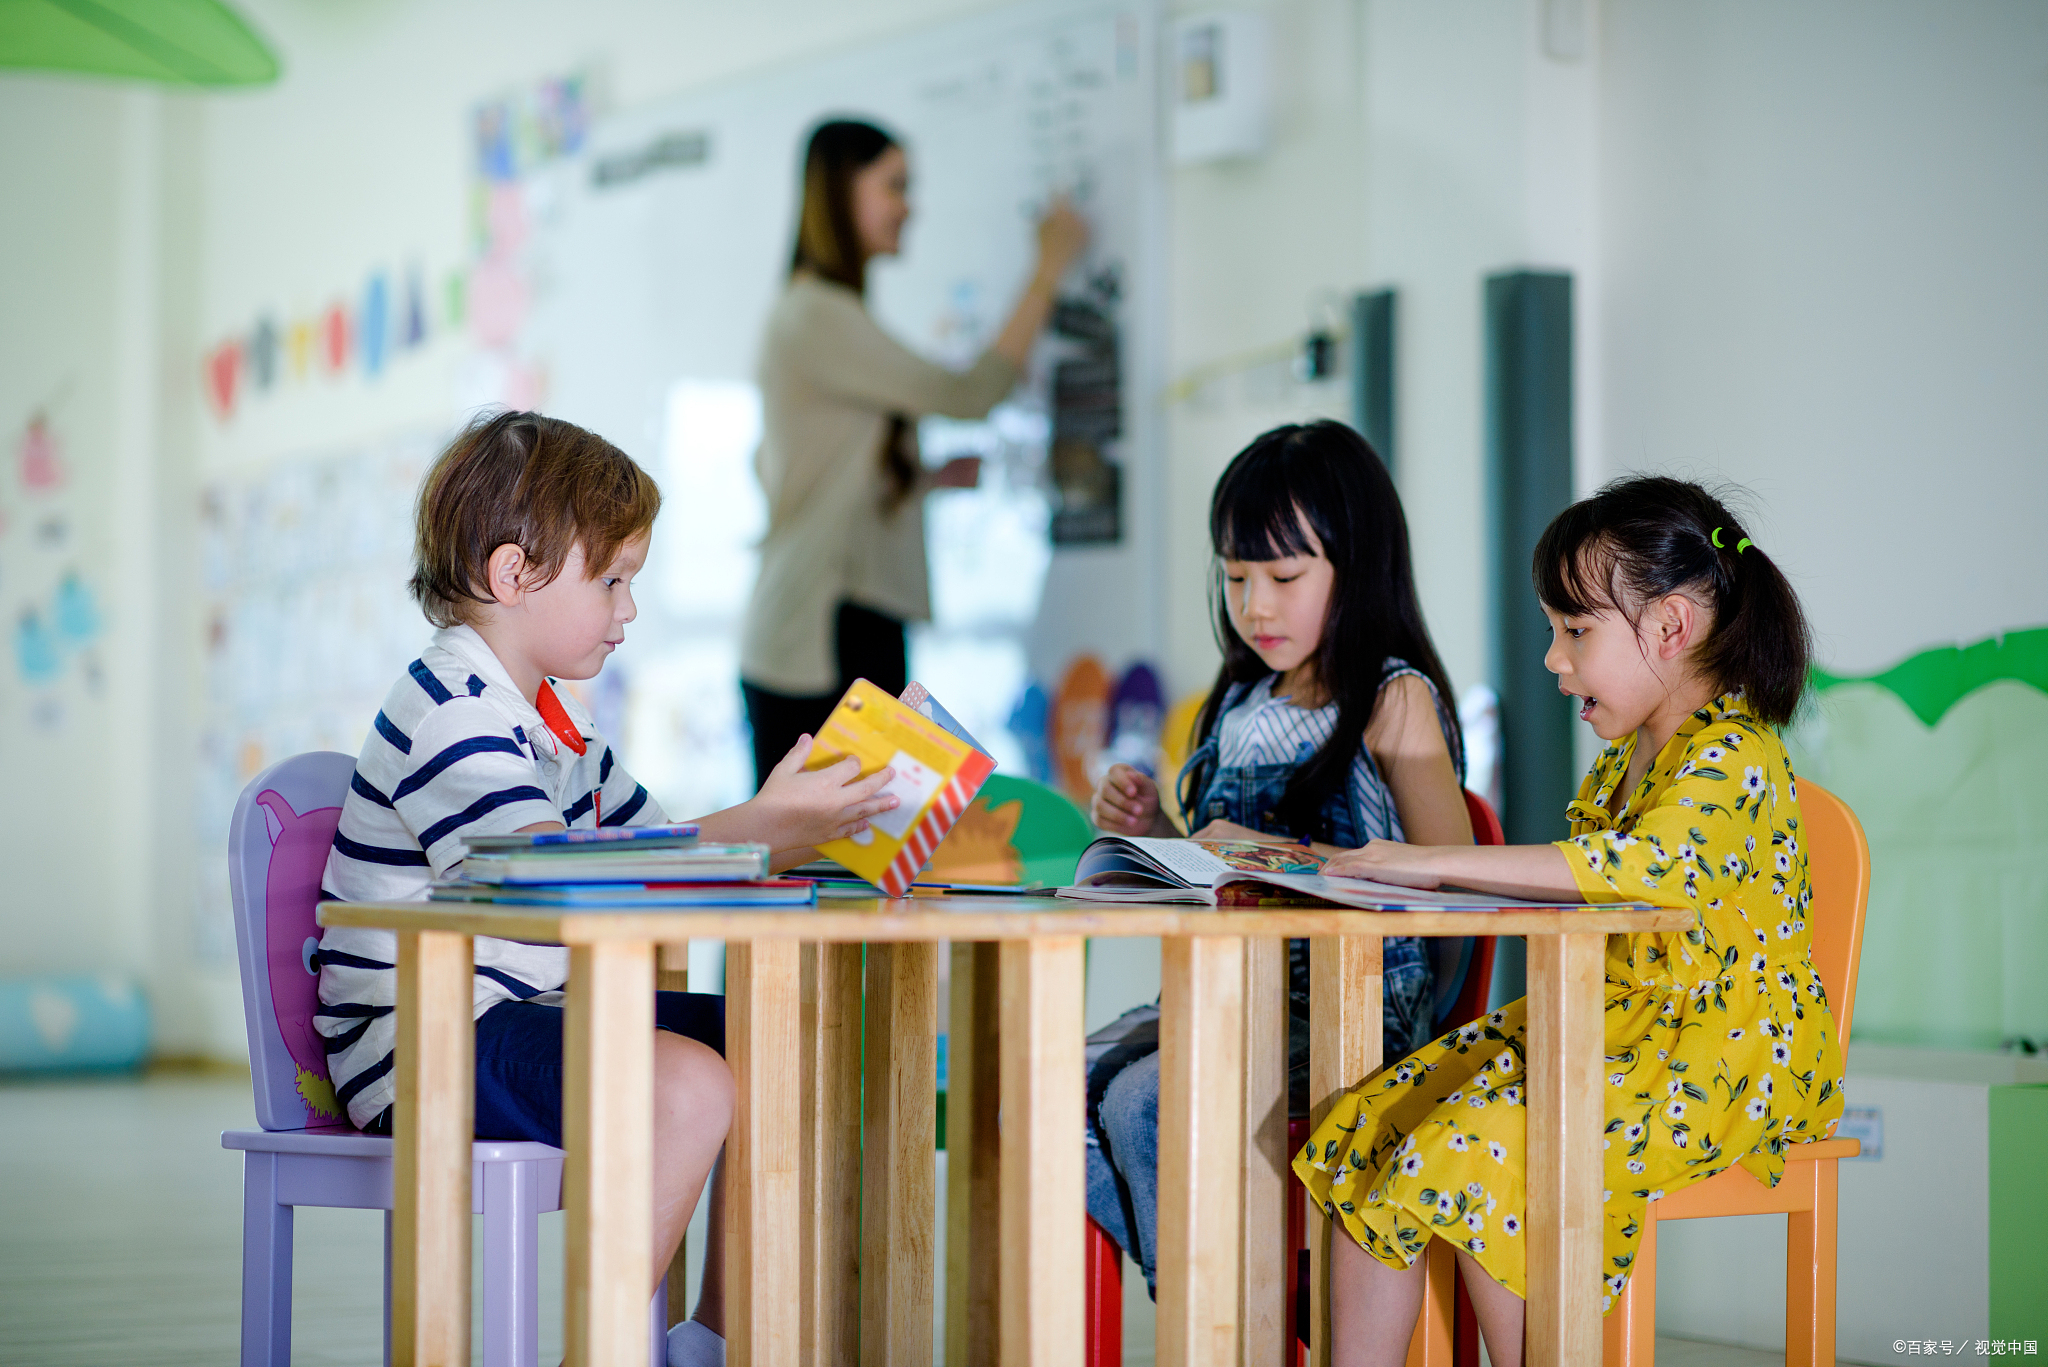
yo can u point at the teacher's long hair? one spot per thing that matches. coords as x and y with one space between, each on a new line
828 246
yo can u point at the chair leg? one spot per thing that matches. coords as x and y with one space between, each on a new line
1103 1274
1629 1333
511 1273
387 1289
1431 1345
266 1266
1810 1269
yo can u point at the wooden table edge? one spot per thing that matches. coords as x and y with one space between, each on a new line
845 921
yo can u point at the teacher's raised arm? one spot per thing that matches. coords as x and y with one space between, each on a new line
843 561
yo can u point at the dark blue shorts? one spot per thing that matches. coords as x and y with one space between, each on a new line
519 1062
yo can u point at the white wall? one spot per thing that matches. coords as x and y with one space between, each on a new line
1822 227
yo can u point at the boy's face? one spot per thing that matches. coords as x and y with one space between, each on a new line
573 624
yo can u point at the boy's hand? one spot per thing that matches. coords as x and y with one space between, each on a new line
1386 861
1127 802
799 806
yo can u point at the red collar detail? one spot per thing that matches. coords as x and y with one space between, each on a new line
557 717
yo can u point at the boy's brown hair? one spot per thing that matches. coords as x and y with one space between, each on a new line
534 482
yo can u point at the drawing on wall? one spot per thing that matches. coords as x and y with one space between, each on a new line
54 619
305 621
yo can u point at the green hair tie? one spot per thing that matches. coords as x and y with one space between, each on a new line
1740 546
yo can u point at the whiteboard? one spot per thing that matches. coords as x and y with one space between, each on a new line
649 293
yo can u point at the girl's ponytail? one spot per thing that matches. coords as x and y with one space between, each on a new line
1647 536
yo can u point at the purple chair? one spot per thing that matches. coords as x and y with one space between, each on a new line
307 1154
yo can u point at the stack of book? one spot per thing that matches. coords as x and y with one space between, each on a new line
618 866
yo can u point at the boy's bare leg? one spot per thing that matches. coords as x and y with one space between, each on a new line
711 1293
1373 1308
1498 1310
693 1103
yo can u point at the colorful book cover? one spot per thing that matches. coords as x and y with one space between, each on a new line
937 775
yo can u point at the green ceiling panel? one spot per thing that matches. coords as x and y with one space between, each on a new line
175 42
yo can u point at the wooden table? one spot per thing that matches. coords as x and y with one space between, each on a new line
790 1172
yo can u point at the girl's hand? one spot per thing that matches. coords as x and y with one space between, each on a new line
1386 861
1127 802
1230 830
798 806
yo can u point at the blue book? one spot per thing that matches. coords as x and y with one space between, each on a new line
639 837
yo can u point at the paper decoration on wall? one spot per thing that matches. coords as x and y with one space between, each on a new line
1137 711
223 368
1027 723
384 324
1079 726
40 457
263 353
334 333
513 136
372 321
50 634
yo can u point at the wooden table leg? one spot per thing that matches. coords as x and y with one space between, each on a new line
1201 1166
435 1067
1265 1263
608 1130
763 1185
973 1154
672 974
830 1160
1564 1179
1043 1196
900 1142
1345 1029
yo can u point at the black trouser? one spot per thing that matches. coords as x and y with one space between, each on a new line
867 645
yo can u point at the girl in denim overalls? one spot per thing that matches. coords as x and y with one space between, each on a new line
1328 725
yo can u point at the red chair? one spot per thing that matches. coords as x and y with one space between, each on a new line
1104 1261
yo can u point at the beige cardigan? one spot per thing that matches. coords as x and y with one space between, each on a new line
830 379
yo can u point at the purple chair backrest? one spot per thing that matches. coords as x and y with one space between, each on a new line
278 841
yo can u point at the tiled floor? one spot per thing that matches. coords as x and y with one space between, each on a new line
120 1240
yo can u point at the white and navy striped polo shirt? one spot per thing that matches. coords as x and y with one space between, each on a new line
456 751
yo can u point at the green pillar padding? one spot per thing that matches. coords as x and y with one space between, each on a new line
1372 370
2019 1212
1529 481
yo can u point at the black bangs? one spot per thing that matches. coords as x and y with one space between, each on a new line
1574 570
1258 513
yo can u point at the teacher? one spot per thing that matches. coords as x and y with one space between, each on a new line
843 563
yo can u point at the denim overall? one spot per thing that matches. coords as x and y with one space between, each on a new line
1123 1079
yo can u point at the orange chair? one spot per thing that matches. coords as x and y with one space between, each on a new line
1838 861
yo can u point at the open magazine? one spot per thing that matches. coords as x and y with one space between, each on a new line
1238 873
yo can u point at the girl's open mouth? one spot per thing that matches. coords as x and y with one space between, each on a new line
1586 707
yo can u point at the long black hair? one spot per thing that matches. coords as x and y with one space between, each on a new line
827 241
1325 476
828 245
1647 536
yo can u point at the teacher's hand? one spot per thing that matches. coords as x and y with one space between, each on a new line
1062 237
961 472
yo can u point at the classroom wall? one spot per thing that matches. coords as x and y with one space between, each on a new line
84 818
1804 239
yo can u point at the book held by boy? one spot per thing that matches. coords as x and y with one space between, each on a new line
1243 873
939 768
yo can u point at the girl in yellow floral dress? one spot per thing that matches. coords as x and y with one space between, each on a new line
1687 649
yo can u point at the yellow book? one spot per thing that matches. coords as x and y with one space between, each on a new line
937 775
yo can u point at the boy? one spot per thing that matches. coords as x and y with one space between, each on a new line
529 532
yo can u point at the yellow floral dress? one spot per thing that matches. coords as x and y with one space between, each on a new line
1720 1047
